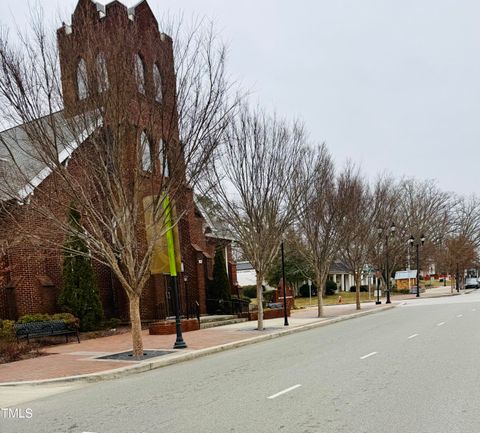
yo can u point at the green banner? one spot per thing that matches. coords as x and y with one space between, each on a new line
170 241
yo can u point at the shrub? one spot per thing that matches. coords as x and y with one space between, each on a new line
80 294
305 292
219 287
111 323
7 331
249 291
241 298
268 296
363 288
35 317
12 351
403 291
68 318
330 287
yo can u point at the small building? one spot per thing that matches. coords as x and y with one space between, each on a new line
246 275
406 279
343 277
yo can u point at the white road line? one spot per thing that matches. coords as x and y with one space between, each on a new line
284 391
460 315
441 323
413 336
474 309
367 356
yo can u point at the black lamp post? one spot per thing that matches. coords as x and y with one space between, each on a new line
378 302
457 280
179 342
187 300
411 241
285 314
389 234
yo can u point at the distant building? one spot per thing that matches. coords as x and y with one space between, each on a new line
406 279
246 275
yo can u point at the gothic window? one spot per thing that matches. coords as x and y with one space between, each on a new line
157 81
140 73
82 79
145 152
102 73
163 158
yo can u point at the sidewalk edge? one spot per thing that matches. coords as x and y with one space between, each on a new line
152 365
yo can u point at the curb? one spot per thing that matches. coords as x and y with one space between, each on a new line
152 365
446 295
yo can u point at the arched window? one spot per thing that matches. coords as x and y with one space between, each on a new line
145 152
162 157
157 81
82 79
102 73
140 73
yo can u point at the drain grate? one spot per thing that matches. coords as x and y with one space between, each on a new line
128 356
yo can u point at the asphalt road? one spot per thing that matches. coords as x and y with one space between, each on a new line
411 369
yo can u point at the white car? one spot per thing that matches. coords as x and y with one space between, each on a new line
471 283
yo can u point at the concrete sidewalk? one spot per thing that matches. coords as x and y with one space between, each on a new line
434 292
73 361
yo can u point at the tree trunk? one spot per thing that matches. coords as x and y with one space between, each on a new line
357 289
320 280
260 301
136 323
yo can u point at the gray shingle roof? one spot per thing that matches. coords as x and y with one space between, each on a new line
24 163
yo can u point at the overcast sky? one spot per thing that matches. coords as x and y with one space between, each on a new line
393 85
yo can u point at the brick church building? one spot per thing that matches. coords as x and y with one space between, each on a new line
31 276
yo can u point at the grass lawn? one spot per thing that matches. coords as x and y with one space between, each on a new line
347 298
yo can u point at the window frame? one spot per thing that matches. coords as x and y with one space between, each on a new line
82 79
145 152
157 82
139 67
102 72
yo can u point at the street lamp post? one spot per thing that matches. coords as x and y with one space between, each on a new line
187 300
387 270
378 302
457 280
285 314
411 241
179 342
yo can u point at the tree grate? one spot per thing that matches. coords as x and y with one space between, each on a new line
128 356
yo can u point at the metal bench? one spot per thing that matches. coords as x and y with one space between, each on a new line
44 329
275 305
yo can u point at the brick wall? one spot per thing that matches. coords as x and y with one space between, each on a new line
36 268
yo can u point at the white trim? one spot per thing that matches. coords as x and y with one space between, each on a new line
44 173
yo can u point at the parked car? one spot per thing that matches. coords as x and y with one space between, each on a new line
471 283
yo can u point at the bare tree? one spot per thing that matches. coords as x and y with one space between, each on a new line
457 253
359 234
122 153
466 218
385 201
319 215
424 209
253 186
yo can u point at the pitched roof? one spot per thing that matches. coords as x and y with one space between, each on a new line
22 165
403 275
244 266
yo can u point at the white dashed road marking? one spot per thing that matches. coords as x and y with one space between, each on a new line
284 391
460 315
441 323
413 336
368 355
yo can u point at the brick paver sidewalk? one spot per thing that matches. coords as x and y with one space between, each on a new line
73 359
